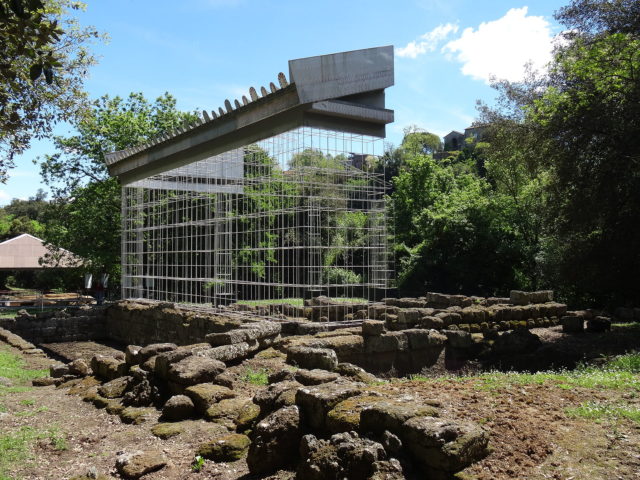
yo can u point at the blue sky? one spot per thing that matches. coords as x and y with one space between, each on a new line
205 51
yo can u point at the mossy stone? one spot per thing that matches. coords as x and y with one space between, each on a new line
167 430
247 416
135 415
228 448
345 416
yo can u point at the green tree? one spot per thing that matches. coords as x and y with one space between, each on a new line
453 232
43 66
580 129
416 140
85 216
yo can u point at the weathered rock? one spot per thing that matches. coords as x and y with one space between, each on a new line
517 341
344 455
144 393
167 430
178 407
206 394
154 349
345 416
310 358
356 373
315 377
230 448
372 328
388 342
459 338
316 402
247 417
275 441
444 445
42 381
430 322
193 370
227 411
420 339
599 324
390 414
136 415
518 297
107 367
79 367
58 370
137 464
226 379
149 364
387 470
131 354
247 333
572 324
276 396
166 359
281 376
115 388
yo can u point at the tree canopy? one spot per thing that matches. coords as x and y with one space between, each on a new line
85 213
44 63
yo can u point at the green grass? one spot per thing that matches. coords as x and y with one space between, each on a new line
297 302
13 367
11 312
598 411
620 373
256 377
15 447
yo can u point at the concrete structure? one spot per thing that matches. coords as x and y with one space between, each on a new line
265 199
343 92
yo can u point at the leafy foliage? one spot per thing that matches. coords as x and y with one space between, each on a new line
44 63
569 142
85 215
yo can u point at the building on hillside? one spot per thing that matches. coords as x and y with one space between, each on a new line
455 140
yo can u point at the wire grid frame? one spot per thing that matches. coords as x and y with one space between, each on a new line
294 216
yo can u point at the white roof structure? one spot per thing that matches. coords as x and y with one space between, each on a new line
25 251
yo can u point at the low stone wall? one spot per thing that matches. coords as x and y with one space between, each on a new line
68 325
143 323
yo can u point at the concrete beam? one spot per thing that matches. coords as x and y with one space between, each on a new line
342 91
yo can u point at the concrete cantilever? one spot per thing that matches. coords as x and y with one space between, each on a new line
342 91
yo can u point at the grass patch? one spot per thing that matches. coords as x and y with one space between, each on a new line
31 413
620 373
598 411
297 302
15 447
256 377
13 367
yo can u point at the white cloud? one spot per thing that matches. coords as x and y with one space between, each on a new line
427 42
4 197
503 47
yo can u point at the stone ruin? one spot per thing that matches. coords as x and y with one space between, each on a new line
325 412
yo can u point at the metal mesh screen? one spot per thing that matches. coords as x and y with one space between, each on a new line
297 215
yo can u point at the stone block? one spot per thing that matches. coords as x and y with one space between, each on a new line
194 369
206 394
372 328
315 402
310 358
444 445
571 324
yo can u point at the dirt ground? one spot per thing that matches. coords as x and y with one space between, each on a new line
532 436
